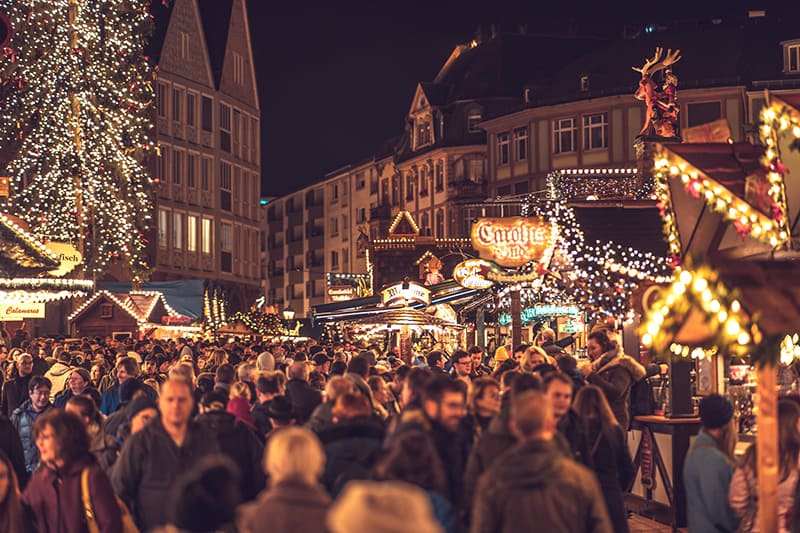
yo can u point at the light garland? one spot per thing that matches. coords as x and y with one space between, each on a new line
47 283
400 216
215 308
602 184
77 114
141 316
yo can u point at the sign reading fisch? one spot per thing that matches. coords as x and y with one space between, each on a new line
404 293
472 274
69 255
512 241
15 312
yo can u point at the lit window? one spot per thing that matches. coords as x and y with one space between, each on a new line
564 136
207 235
595 131
473 118
793 58
163 226
177 230
191 233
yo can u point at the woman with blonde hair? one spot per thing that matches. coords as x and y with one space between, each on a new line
295 501
609 451
533 357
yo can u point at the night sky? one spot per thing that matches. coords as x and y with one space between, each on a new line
336 78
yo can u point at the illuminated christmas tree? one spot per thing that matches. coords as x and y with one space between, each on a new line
74 110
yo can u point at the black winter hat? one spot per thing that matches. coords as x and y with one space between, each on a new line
715 411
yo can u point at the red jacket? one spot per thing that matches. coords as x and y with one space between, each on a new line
55 499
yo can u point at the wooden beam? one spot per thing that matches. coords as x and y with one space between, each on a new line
767 448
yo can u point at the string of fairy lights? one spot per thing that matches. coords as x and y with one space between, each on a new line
76 115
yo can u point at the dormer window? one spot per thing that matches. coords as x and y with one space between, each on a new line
791 57
424 133
474 116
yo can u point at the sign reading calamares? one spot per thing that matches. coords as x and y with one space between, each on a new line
512 241
20 311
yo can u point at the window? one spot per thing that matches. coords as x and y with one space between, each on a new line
184 45
334 259
373 182
226 237
206 119
106 310
345 259
161 99
191 170
503 148
423 180
225 127
191 233
225 185
177 230
564 135
521 144
793 58
505 190
177 101
410 186
361 181
423 132
474 170
703 113
163 227
191 109
425 224
237 131
473 118
440 175
207 235
595 131
345 226
440 223
163 163
238 68
335 192
334 226
177 167
205 174
361 214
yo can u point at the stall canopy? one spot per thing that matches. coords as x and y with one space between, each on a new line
184 296
404 317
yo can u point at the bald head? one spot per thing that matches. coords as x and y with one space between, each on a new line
532 417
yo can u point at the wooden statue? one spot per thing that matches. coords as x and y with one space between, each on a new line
661 119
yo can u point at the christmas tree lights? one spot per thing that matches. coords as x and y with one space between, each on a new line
74 109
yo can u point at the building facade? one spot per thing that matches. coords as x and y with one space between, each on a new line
209 166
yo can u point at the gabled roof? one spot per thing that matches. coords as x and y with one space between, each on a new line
216 18
161 13
403 224
139 305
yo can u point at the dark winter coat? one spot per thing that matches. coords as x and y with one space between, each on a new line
11 444
351 450
495 441
23 418
241 444
148 465
615 374
54 497
321 417
571 427
534 487
304 399
614 469
260 414
287 506
15 392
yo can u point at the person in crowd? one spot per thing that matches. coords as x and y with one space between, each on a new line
385 403
304 399
323 414
498 436
78 383
280 415
546 340
479 368
412 458
322 362
378 507
239 405
150 369
26 414
218 358
519 351
358 372
709 467
223 378
157 454
317 380
265 362
295 501
60 372
236 440
55 492
462 367
15 391
609 455
569 366
532 358
483 404
534 486
743 491
267 388
102 445
247 374
129 390
570 429
127 368
435 361
352 443
12 515
612 371
205 498
11 445
96 374
414 387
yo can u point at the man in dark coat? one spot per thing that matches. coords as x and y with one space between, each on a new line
127 368
11 444
236 440
154 457
570 429
15 391
267 387
25 416
534 486
304 399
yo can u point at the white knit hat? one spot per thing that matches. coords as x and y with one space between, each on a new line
382 507
265 361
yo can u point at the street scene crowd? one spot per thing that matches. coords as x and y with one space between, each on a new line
109 436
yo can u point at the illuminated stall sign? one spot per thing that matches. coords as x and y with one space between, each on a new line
13 312
404 293
341 293
537 311
511 241
472 274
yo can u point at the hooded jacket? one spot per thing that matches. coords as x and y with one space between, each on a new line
58 376
535 487
351 449
23 418
287 506
615 374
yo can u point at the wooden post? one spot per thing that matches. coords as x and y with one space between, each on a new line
480 328
767 447
516 320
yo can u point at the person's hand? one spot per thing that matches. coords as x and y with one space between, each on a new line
585 368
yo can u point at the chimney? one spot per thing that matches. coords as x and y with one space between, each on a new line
584 83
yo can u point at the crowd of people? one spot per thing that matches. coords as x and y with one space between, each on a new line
100 435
